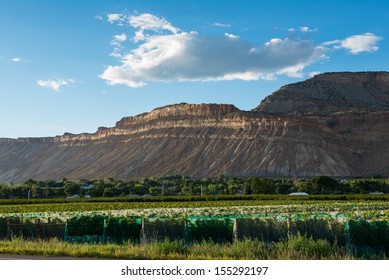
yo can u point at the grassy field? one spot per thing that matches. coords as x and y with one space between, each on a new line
297 248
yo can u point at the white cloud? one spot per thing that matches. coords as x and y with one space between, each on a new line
98 17
120 37
307 29
361 43
274 42
149 22
231 36
333 42
17 59
193 57
112 18
222 25
166 54
117 42
357 43
55 84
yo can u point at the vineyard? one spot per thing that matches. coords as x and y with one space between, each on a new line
361 228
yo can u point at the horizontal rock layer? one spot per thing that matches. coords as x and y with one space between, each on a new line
281 137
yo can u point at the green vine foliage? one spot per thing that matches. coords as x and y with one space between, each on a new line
122 229
86 225
163 229
219 231
366 239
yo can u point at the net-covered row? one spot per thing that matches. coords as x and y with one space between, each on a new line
273 230
268 230
3 228
103 229
162 229
215 230
17 227
123 229
329 229
364 239
367 239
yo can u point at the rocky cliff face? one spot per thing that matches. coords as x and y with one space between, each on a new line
332 92
333 124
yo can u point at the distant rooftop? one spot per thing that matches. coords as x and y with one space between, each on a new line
298 193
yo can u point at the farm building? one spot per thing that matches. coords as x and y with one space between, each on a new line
298 193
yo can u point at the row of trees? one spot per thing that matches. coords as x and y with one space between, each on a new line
181 185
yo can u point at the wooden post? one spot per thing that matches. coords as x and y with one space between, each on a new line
37 229
235 232
187 233
66 234
105 232
288 226
142 232
9 237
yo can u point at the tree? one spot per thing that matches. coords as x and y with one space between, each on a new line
155 190
260 186
36 191
108 192
303 185
139 189
4 191
324 184
31 182
72 188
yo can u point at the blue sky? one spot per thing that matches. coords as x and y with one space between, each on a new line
72 66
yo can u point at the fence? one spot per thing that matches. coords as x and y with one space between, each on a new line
32 231
362 239
99 229
367 239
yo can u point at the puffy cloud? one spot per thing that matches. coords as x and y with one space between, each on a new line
361 43
149 22
55 84
120 38
307 29
231 36
193 57
357 43
166 54
115 17
117 42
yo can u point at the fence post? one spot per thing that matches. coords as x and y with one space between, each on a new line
289 234
187 233
104 231
235 232
142 232
9 237
66 234
37 229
